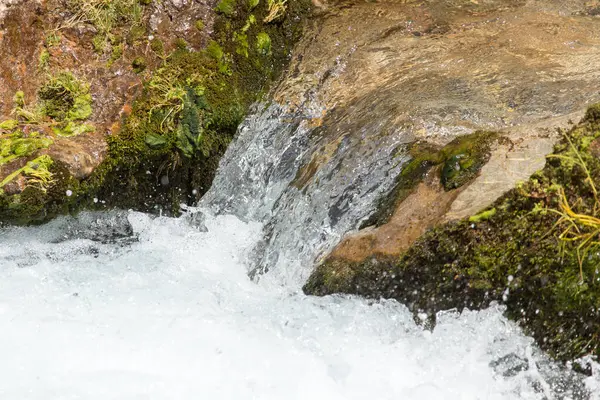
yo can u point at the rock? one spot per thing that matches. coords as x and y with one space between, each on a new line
128 102
424 74
530 250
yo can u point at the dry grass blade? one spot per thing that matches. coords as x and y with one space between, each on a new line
581 228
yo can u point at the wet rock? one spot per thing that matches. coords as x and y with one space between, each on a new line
520 252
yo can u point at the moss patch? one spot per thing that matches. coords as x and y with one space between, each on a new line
460 161
168 148
510 253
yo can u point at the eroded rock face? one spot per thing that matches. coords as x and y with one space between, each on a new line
431 71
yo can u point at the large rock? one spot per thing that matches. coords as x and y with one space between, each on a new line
428 73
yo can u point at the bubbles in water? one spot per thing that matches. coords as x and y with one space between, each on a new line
172 314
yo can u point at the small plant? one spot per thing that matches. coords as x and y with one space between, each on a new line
170 100
579 228
53 39
66 98
44 60
139 65
106 15
276 10
36 171
263 43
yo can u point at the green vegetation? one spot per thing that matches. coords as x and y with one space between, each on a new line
64 103
113 20
67 101
63 106
458 163
226 7
166 148
190 108
37 171
139 64
44 60
277 10
535 250
483 216
105 15
263 43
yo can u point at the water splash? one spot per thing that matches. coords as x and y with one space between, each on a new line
170 313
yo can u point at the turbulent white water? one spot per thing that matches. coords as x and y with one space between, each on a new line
173 315
128 306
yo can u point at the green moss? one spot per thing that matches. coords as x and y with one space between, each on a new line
135 34
252 4
139 64
189 111
226 7
157 46
464 157
16 146
483 216
53 39
457 163
168 148
106 15
117 53
9 124
592 114
44 196
263 43
242 44
66 98
181 44
44 59
199 24
510 254
215 51
37 171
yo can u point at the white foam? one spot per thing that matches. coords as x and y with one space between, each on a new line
174 316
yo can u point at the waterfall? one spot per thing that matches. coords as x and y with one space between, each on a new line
122 305
258 180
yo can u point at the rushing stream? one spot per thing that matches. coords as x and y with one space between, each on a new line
122 305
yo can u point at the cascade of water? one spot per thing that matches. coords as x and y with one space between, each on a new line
307 189
125 305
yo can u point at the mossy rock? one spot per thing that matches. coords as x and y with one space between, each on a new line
464 157
168 147
510 253
459 161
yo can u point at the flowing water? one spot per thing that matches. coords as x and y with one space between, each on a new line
123 305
